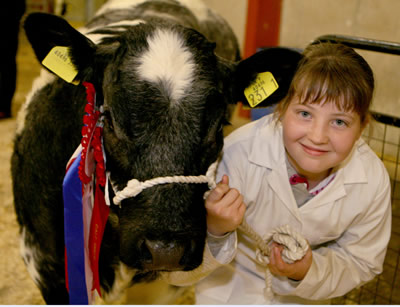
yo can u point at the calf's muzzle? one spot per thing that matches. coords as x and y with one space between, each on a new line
162 255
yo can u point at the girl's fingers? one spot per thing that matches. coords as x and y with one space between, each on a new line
276 262
233 198
218 193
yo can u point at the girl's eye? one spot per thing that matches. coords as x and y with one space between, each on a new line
304 114
340 123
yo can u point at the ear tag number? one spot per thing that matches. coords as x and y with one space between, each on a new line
59 62
264 85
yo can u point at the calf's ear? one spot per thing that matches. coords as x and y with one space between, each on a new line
270 67
47 31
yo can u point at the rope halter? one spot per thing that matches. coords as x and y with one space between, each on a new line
135 187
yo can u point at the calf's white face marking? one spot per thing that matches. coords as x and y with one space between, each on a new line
168 61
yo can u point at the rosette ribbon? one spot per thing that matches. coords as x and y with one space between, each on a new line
85 208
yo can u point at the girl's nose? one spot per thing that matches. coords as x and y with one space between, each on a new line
318 133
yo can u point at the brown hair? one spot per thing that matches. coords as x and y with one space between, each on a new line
333 73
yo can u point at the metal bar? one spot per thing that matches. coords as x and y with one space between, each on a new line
386 119
361 43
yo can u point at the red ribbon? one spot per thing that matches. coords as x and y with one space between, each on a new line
97 226
92 140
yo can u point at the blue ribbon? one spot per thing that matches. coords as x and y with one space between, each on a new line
73 234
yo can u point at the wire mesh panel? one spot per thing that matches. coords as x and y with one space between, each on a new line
383 136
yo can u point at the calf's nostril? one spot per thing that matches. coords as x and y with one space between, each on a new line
145 253
164 256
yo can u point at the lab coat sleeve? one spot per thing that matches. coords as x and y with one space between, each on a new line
223 248
350 261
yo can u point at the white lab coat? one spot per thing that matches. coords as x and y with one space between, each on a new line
348 224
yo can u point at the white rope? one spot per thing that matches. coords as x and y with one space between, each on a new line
295 247
135 187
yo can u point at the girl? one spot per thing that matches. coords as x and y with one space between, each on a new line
305 166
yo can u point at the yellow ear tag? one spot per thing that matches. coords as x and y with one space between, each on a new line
59 62
264 85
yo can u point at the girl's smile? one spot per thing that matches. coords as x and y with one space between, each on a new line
313 151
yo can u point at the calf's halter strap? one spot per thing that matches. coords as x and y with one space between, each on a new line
135 187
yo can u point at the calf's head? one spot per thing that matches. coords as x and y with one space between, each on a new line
165 96
164 110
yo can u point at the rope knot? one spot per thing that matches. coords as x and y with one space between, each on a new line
261 257
135 187
295 247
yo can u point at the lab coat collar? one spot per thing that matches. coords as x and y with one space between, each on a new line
272 157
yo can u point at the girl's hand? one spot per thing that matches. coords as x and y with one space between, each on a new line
296 270
225 208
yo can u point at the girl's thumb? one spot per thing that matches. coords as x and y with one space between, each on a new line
225 179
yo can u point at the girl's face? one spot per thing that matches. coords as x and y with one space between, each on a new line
318 137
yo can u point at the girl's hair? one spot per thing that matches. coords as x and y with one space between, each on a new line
331 72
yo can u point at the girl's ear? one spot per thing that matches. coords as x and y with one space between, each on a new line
276 64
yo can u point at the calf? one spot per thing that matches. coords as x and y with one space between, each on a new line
164 73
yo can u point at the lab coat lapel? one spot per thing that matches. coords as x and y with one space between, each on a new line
273 158
279 183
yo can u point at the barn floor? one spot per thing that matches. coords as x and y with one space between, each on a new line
16 287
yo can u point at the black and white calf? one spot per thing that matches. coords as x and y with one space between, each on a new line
165 72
